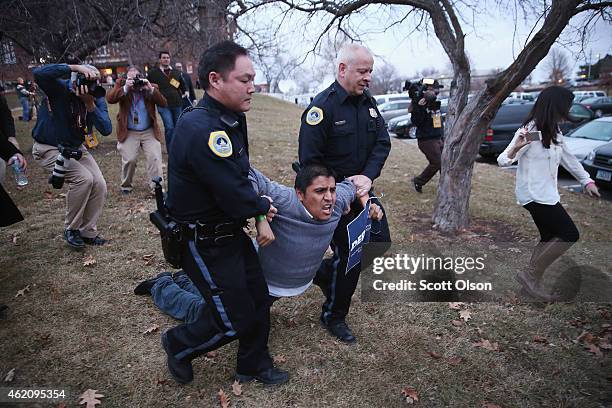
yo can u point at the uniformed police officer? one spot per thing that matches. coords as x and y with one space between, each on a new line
343 129
209 193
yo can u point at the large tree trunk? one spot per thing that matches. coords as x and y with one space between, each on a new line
466 132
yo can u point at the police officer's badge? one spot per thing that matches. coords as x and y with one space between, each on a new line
373 113
220 143
314 116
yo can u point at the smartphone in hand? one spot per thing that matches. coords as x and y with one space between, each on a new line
534 136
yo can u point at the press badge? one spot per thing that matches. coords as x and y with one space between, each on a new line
174 83
91 140
437 121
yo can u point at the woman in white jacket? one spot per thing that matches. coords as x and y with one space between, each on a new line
536 183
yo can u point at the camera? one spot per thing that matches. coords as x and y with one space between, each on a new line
56 179
418 91
93 87
138 82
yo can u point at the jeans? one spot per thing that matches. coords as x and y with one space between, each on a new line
169 116
25 104
178 297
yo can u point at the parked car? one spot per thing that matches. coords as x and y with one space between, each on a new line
599 105
599 165
380 99
402 127
393 109
584 139
525 96
587 94
510 117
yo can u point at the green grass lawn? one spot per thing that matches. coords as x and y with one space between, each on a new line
82 326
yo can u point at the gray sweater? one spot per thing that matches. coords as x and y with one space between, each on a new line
292 260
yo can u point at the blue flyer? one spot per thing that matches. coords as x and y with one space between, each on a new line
358 234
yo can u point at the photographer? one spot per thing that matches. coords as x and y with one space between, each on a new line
425 111
24 99
137 126
66 117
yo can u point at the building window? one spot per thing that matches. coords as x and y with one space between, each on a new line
7 52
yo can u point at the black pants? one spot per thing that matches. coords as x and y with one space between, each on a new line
231 281
337 285
432 149
553 221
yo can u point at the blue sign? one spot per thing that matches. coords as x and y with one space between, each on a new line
358 234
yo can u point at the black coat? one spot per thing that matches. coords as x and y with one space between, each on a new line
9 213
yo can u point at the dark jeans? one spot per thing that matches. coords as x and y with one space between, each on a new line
231 281
25 104
337 285
169 116
178 298
432 149
553 221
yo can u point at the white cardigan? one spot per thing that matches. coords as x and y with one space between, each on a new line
536 176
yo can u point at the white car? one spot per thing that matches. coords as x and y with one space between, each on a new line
582 140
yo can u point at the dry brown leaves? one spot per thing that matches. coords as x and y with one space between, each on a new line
89 261
455 360
490 405
224 399
14 239
23 291
410 394
10 376
236 388
435 355
151 329
90 397
540 339
455 305
465 315
486 344
280 359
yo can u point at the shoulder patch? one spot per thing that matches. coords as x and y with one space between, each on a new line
220 143
314 116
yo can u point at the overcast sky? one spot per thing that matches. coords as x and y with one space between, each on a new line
493 40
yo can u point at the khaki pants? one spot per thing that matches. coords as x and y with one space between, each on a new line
86 188
129 149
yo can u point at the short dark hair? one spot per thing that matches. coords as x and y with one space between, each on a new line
220 58
310 172
162 53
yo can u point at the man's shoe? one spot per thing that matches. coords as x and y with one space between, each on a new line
97 241
125 192
340 330
144 287
417 187
181 371
271 376
74 239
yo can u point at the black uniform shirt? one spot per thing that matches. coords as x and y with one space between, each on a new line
345 132
421 117
208 167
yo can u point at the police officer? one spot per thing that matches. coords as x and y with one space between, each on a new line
210 195
343 129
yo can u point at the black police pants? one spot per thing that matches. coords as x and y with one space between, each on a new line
337 285
232 283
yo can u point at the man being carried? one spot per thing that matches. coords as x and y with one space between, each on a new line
304 225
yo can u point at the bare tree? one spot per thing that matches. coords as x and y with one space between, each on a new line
53 30
276 66
465 122
385 78
557 65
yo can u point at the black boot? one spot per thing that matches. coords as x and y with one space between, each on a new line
270 376
181 371
340 330
144 287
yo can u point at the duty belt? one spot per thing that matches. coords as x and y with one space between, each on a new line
212 233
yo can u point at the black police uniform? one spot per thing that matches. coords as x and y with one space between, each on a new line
208 183
348 134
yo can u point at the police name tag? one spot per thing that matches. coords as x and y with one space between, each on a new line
373 113
220 143
314 116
